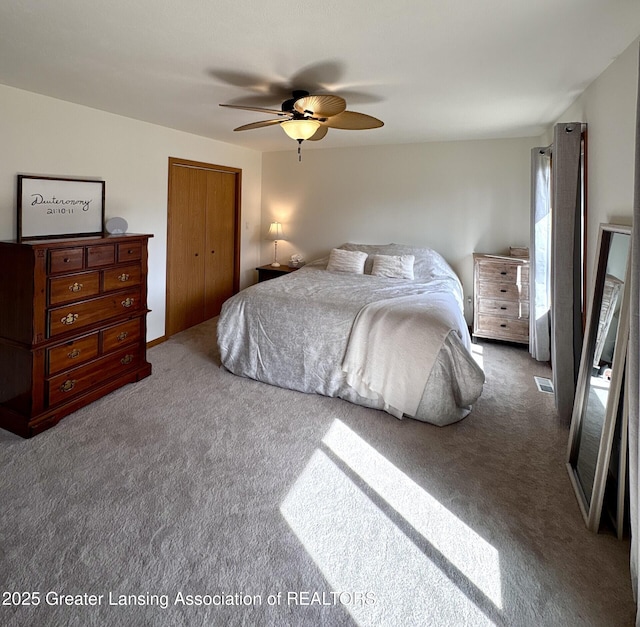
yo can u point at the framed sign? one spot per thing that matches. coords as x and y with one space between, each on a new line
59 207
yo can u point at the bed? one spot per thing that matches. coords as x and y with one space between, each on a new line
379 326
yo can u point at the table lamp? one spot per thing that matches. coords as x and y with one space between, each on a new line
275 233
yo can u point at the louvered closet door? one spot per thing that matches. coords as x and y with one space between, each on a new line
220 240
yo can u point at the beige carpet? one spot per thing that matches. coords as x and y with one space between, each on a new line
271 507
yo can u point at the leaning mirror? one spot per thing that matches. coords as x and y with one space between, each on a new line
599 387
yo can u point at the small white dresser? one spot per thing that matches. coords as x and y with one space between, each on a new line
501 297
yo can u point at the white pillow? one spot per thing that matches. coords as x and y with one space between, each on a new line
393 266
346 261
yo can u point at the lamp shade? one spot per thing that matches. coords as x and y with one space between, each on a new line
275 231
300 129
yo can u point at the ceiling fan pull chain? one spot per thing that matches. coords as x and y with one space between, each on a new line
299 152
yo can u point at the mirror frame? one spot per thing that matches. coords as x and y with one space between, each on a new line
591 508
619 514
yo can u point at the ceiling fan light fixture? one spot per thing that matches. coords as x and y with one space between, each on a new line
300 129
310 117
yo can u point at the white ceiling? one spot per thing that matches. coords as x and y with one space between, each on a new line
430 69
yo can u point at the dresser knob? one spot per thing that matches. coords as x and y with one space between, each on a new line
70 318
127 359
76 287
122 336
123 278
68 385
73 354
127 302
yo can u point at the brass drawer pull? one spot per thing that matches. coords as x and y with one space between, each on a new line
76 287
70 318
122 336
68 385
128 302
127 359
124 277
73 354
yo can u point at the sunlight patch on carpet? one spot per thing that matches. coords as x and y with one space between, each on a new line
477 354
473 556
359 548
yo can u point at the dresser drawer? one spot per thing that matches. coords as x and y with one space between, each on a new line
103 255
74 382
77 315
121 335
503 272
129 252
66 289
503 291
66 260
121 277
504 308
506 328
72 353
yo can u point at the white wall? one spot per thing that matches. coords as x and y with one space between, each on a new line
455 197
45 136
608 105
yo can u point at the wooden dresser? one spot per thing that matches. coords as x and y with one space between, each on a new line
501 295
72 325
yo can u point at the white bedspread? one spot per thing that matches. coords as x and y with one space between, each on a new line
394 344
294 332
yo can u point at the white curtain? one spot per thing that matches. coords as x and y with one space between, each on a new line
633 373
540 255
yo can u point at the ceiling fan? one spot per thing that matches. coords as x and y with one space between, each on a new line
307 116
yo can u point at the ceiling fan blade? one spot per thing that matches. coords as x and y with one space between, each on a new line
319 134
323 106
352 121
248 127
258 109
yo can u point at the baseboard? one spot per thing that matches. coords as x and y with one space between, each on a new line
158 340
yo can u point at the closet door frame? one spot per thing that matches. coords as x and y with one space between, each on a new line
188 163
